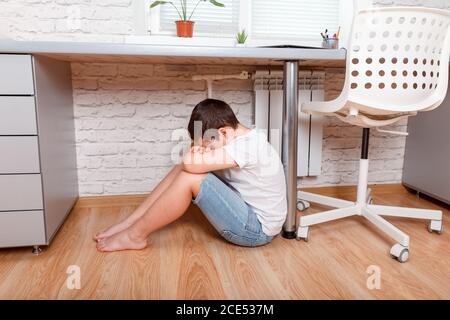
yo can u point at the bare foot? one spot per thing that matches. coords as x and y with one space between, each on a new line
111 231
123 240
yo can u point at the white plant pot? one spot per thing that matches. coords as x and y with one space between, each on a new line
240 45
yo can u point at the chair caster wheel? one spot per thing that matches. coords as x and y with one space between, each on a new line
436 226
303 233
302 205
400 252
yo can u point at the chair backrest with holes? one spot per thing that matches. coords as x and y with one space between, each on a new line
398 58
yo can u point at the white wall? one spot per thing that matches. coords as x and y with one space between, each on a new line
124 113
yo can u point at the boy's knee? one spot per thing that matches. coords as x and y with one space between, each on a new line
193 179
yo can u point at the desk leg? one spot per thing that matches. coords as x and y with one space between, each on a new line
289 143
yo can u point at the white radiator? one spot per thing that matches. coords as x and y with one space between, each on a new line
268 88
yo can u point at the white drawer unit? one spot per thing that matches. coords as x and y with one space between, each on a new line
20 192
17 115
19 154
38 172
20 228
16 76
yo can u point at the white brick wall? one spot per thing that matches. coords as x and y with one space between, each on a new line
96 20
125 113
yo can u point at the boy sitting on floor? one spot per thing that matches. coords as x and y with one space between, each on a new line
232 173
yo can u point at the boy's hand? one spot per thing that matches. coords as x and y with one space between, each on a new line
194 155
197 149
200 149
203 159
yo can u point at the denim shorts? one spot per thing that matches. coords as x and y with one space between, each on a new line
230 215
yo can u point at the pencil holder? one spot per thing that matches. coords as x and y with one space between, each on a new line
330 43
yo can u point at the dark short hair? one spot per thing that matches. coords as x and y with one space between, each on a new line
213 114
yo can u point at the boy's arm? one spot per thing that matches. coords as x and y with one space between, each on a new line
199 160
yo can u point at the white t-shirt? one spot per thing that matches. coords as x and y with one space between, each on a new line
259 179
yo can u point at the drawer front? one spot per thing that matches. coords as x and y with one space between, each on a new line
17 116
17 74
20 192
19 154
22 228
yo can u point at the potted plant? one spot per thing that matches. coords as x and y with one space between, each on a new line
241 37
185 26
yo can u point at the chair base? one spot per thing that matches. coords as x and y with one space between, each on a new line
363 207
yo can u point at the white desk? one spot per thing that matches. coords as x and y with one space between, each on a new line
144 53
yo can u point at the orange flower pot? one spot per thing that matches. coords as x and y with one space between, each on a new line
185 29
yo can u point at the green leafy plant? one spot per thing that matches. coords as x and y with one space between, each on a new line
183 6
241 36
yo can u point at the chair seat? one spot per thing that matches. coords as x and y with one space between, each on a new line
365 120
396 66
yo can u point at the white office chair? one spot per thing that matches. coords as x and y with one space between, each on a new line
397 65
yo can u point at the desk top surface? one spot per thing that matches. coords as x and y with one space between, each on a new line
124 52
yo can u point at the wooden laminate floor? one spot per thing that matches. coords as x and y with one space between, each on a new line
189 260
